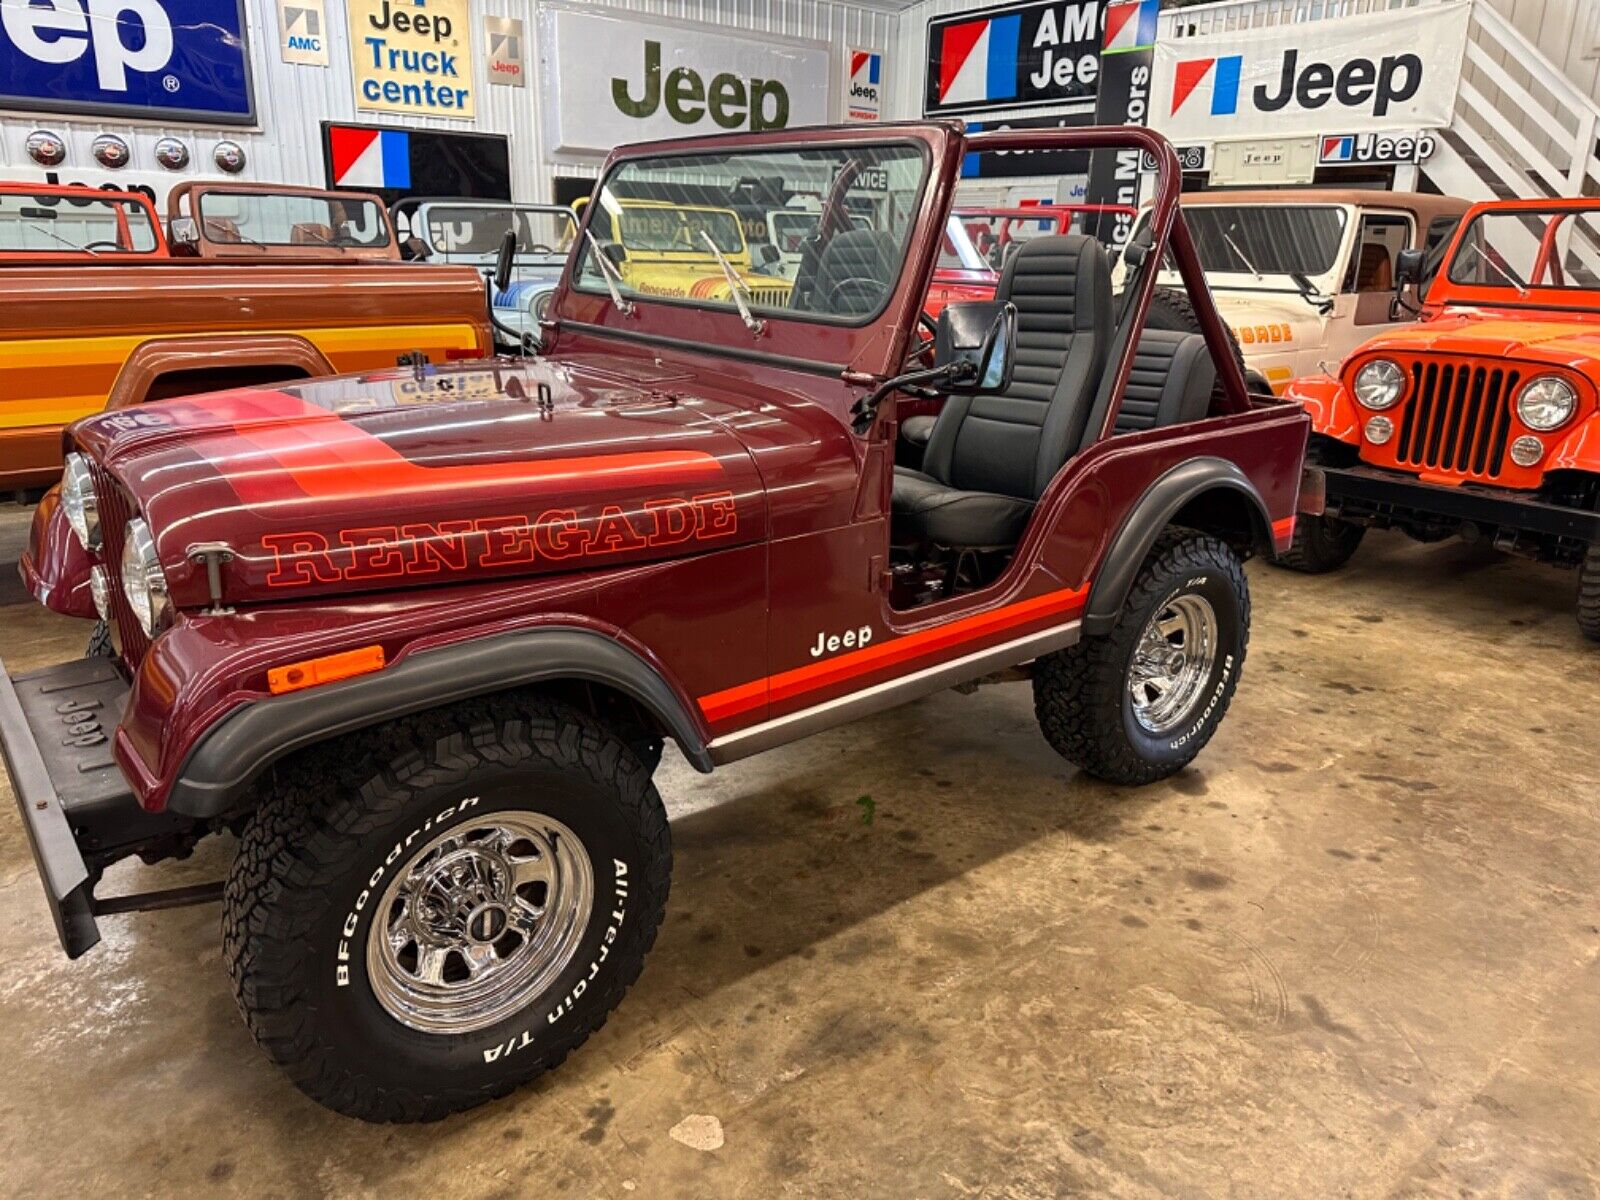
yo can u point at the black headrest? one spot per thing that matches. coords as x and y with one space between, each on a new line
855 254
1057 267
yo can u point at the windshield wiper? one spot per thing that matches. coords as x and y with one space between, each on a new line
735 285
56 237
1249 266
612 276
1323 304
326 241
1505 273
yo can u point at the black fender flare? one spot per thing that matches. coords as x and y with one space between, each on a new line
221 766
1153 513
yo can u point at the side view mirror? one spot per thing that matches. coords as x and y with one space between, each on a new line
976 346
1408 268
414 249
505 260
615 251
183 234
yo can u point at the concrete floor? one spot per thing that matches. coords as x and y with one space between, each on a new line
1352 952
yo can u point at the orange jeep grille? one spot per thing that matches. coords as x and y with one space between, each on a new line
1456 418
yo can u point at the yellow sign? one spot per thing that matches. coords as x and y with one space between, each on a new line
413 56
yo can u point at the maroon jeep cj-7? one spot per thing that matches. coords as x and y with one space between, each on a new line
418 637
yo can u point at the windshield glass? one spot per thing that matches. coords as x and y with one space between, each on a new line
289 219
790 228
94 223
655 216
478 230
1533 248
1275 240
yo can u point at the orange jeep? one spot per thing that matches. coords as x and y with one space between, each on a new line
1481 419
100 308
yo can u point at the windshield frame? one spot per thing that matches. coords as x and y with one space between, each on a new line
1564 297
1325 283
131 202
695 147
416 213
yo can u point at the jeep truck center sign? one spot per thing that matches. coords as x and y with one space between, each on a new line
156 59
1384 71
413 57
610 78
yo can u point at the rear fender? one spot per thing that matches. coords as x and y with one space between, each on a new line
55 567
1333 414
165 356
225 761
1194 485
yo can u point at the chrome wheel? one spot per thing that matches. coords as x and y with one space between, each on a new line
1172 663
479 921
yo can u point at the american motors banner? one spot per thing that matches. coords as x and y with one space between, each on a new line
1011 56
1380 71
1130 39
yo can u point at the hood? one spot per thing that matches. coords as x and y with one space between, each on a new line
1482 333
416 477
1270 322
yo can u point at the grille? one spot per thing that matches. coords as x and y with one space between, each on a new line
1458 418
770 297
115 513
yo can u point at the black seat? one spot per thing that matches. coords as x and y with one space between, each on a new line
990 457
1170 383
854 273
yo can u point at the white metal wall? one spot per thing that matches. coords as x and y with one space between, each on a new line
292 101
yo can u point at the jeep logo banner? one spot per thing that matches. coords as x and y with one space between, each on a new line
1038 52
609 77
1382 71
156 59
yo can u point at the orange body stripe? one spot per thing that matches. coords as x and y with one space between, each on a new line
719 706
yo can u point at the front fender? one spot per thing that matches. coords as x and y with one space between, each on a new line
55 567
1333 414
1579 450
230 751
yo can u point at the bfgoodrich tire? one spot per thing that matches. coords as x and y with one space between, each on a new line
1138 703
424 918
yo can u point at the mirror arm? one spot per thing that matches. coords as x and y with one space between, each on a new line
866 409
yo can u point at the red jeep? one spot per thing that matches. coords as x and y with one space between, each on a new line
1481 419
418 636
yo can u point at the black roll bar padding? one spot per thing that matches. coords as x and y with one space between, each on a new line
1169 231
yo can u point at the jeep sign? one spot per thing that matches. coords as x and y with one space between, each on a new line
156 59
612 77
1382 71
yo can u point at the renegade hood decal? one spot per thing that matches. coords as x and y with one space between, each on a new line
420 477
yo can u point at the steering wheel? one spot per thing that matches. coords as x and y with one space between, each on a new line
922 351
874 288
102 245
540 248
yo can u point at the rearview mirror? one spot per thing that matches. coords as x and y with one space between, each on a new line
505 260
976 344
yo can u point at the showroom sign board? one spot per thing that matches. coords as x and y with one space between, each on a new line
613 77
303 32
863 86
1012 56
413 57
1378 71
153 59
505 39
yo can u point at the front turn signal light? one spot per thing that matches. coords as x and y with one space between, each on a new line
328 669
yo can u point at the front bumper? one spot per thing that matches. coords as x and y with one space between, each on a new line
55 731
1358 492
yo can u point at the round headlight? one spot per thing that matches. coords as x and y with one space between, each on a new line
1379 383
142 580
77 498
541 305
1379 430
1546 402
1527 450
